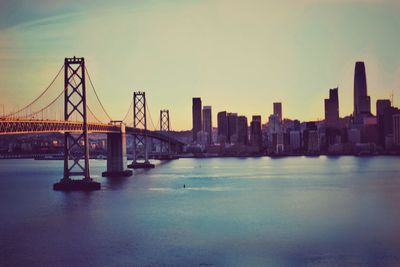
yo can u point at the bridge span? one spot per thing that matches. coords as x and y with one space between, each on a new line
79 120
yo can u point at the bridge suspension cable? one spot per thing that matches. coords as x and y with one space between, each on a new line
151 120
91 113
129 112
97 96
27 108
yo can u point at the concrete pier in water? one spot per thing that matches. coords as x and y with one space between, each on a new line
116 155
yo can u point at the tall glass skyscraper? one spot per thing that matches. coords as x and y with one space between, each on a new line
196 116
207 123
362 102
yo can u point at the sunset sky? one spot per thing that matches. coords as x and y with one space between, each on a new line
238 56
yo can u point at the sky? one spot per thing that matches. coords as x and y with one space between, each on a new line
238 56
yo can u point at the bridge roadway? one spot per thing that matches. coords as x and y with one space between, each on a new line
8 127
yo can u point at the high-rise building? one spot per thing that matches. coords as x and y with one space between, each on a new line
396 129
232 127
381 106
243 130
332 109
278 110
362 102
274 124
255 132
385 125
295 140
222 126
296 125
196 117
207 123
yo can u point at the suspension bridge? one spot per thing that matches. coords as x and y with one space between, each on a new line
76 111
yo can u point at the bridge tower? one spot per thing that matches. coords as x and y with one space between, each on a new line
76 146
140 141
164 127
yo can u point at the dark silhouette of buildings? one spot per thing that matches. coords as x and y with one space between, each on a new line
278 110
332 109
382 105
222 126
255 132
196 117
385 119
362 102
396 129
359 133
243 130
232 127
207 123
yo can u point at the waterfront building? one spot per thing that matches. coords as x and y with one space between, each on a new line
255 132
332 109
396 129
222 126
353 135
278 110
243 129
274 124
196 117
382 105
207 123
362 102
295 140
232 127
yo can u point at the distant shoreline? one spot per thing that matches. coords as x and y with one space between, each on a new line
61 157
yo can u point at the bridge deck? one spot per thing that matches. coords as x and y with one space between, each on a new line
8 127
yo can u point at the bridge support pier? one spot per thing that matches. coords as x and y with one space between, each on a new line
116 155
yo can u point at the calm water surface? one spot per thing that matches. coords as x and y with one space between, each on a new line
338 211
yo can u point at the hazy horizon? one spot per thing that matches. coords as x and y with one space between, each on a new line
237 56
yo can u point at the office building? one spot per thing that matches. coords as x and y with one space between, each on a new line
332 109
232 127
243 128
207 123
362 102
396 129
274 124
222 121
255 132
381 106
196 117
295 140
278 110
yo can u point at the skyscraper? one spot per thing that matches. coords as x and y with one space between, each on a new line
396 129
274 124
255 132
278 110
196 117
332 109
243 130
232 127
207 123
362 102
381 106
222 126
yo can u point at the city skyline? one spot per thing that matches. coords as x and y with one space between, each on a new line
197 49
